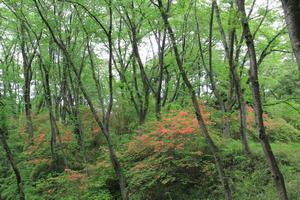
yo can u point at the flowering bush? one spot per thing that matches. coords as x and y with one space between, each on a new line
169 153
173 132
251 118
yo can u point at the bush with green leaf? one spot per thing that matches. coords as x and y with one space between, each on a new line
170 160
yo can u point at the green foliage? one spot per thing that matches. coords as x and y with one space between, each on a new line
281 131
8 188
162 158
170 161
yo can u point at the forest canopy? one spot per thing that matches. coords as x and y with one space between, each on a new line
149 99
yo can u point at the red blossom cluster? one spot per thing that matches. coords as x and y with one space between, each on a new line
37 161
67 137
251 117
171 133
95 130
40 138
74 175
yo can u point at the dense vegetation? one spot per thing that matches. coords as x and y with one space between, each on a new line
149 99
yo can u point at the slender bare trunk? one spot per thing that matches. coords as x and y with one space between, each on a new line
53 125
27 72
161 51
234 78
292 15
9 155
103 124
210 72
213 148
276 173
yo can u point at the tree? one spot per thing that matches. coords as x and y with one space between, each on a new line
104 123
199 116
28 52
9 155
253 76
134 99
229 52
292 14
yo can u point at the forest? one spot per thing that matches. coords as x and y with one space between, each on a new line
149 99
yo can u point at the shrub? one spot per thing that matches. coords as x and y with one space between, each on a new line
279 130
169 160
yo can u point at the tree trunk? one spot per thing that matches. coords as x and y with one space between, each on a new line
12 162
103 124
161 51
53 125
28 104
234 78
27 79
201 122
210 72
276 173
292 15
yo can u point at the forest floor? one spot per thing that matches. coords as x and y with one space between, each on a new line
181 167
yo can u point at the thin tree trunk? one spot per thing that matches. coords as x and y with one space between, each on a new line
176 89
210 72
27 79
161 51
276 173
229 49
28 107
104 124
115 161
292 17
145 79
228 56
3 132
54 128
201 122
166 88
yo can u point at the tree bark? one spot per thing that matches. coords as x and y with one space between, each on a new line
229 49
54 128
27 79
291 10
9 155
253 75
210 72
161 51
213 148
103 124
